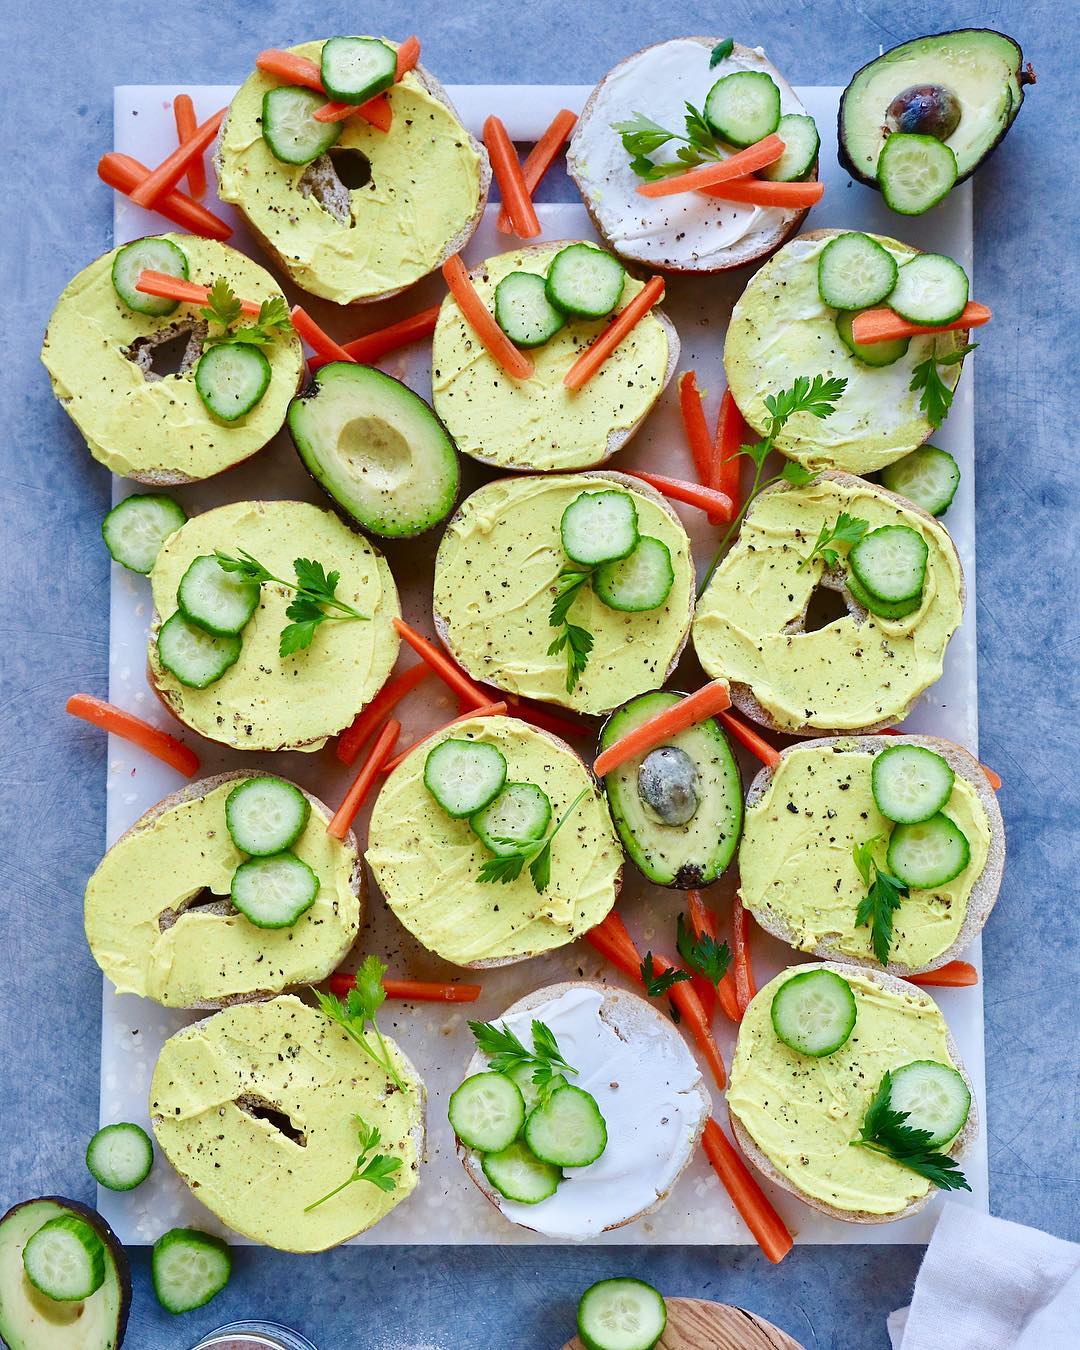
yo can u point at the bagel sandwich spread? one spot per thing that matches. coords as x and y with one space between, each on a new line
553 299
861 671
884 851
353 213
826 1056
491 843
619 144
190 909
223 654
225 400
262 1109
586 628
593 1129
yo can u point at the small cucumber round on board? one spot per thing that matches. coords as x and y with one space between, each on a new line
188 1268
638 583
519 816
814 1013
231 378
928 854
890 562
523 310
927 476
743 108
135 529
195 657
915 172
265 816
882 608
869 353
621 1314
487 1112
934 1096
216 600
599 527
519 1175
355 69
65 1259
147 255
464 776
289 127
930 289
910 783
585 282
801 145
567 1130
119 1157
274 892
855 272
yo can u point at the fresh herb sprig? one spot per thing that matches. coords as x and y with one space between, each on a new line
576 641
315 594
506 1052
721 52
881 900
659 983
642 137
376 1168
847 530
937 397
357 1012
507 867
223 308
887 1132
704 955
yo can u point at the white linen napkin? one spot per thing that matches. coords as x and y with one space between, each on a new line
987 1284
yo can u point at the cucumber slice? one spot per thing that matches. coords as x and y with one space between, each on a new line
915 172
464 776
928 477
218 601
869 353
599 527
188 1268
640 582
621 1314
814 1013
928 854
355 69
274 892
65 1259
523 310
522 1075
119 1157
910 783
135 529
568 1129
930 289
231 378
890 562
882 608
289 127
585 281
147 255
516 1173
519 815
195 657
855 272
934 1096
743 108
265 816
487 1112
801 145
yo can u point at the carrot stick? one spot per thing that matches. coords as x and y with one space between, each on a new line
727 997
705 702
602 346
745 988
702 924
480 319
173 167
364 780
447 670
747 161
313 335
187 292
353 738
547 721
614 943
373 347
507 171
760 192
952 975
290 68
377 110
539 160
749 739
746 1195
685 998
732 434
885 325
487 710
125 174
184 113
414 991
718 505
130 728
697 432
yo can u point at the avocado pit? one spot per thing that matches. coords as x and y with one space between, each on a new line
668 784
924 110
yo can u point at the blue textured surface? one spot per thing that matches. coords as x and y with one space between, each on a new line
53 639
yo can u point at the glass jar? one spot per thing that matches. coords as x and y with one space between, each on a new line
254 1336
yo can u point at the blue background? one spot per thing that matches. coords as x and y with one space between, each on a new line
63 60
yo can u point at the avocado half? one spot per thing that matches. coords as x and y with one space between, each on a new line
678 810
964 87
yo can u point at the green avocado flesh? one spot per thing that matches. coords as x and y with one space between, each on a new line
920 86
376 448
686 835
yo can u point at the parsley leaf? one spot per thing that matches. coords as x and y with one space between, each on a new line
224 308
847 530
704 955
642 137
222 304
376 1168
937 397
658 984
721 51
358 1010
507 867
506 1052
575 640
881 900
886 1131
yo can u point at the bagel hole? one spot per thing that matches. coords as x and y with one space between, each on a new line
258 1107
352 167
172 350
825 607
202 902
331 179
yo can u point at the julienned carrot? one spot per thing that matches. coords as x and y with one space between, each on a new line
697 432
447 670
953 975
702 924
656 730
507 171
546 720
601 347
413 991
130 728
749 739
480 319
353 738
760 192
186 126
727 996
173 167
362 784
125 174
747 161
745 988
885 325
613 942
318 340
732 434
717 505
187 292
539 160
488 710
376 110
290 68
373 347
749 1199
993 778
684 996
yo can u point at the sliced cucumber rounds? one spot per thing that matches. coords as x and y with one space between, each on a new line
266 816
273 892
522 1075
869 353
855 272
930 289
519 816
599 527
568 1129
814 1013
639 582
487 1112
928 477
289 127
518 1174
119 1157
215 600
915 172
882 608
464 776
621 1314
743 108
188 1268
801 145
135 529
196 658
928 854
65 1259
147 255
523 310
934 1097
890 562
231 378
585 281
910 783
355 69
